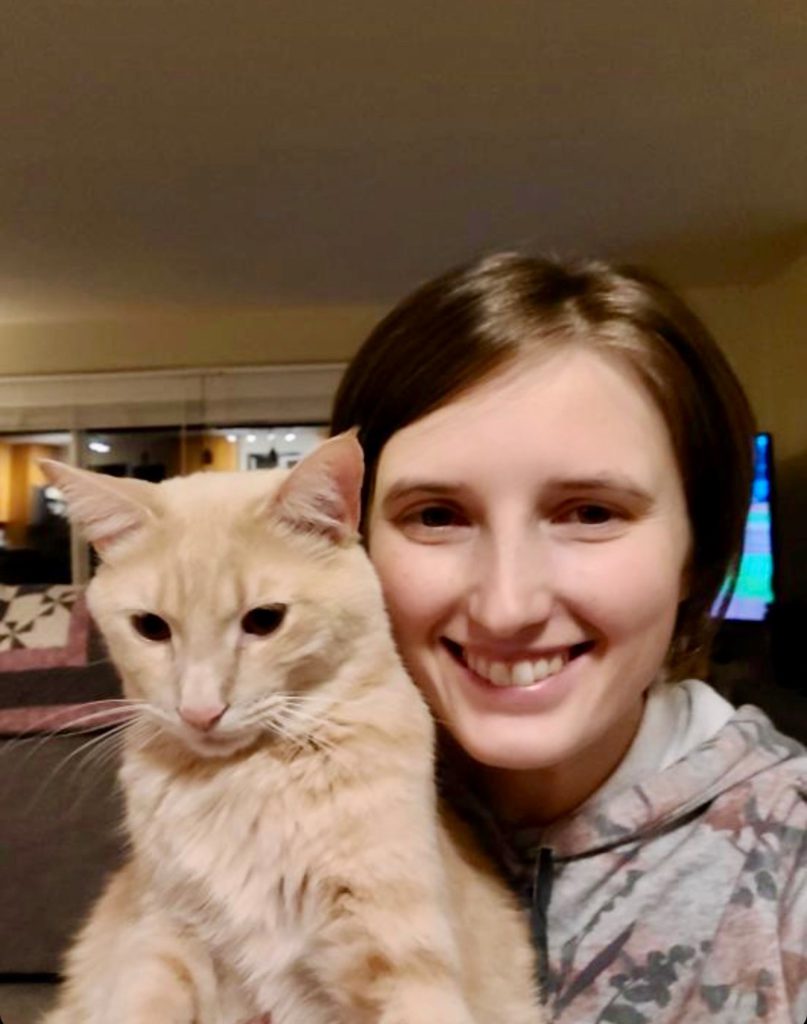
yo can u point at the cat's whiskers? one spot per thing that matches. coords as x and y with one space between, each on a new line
298 743
311 714
88 722
141 733
269 708
110 735
337 713
93 752
294 718
107 742
161 715
100 751
309 736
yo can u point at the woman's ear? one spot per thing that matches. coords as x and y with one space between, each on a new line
322 494
109 511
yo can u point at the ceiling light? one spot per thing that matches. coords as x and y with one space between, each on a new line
232 438
100 447
291 436
252 438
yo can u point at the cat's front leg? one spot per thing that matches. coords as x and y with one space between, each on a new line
130 965
149 989
155 993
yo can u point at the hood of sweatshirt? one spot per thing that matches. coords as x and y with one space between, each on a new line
747 745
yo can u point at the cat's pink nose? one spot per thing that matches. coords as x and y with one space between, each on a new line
203 718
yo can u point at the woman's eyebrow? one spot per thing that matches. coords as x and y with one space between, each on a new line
600 483
432 488
603 482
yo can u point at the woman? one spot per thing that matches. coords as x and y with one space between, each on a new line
559 460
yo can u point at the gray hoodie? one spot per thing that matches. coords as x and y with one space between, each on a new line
678 898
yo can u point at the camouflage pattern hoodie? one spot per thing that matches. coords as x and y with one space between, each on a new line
680 896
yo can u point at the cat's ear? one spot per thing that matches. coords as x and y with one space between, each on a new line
322 494
107 510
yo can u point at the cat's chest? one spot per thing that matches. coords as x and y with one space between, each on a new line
231 852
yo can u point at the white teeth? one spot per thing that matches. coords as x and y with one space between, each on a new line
522 674
518 673
499 673
541 669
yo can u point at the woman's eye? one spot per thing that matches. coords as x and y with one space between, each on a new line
435 516
593 515
151 627
264 620
433 522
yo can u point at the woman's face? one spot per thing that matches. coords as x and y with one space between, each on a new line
531 538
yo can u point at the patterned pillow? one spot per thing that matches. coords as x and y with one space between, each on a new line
54 672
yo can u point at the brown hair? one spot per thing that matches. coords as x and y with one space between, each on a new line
461 328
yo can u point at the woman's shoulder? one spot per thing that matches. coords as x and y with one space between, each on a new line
745 774
770 764
760 807
762 812
697 877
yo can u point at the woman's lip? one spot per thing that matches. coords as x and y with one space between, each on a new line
461 651
502 686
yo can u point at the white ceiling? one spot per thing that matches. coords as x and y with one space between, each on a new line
248 152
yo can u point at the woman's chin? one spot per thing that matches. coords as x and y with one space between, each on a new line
508 745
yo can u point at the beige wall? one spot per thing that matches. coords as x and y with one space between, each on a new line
761 327
764 331
215 338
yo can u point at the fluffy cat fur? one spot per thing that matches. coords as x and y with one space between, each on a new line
287 856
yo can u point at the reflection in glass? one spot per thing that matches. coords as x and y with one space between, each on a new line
35 544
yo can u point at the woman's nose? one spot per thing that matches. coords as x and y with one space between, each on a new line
510 587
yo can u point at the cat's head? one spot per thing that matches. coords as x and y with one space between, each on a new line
233 604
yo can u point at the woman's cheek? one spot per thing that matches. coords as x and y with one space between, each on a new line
639 607
414 585
417 581
396 569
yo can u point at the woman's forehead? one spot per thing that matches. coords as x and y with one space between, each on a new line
574 411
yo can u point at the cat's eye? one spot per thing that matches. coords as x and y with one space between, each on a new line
151 627
264 620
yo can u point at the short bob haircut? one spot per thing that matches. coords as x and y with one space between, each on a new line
465 326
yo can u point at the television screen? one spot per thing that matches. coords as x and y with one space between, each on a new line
754 592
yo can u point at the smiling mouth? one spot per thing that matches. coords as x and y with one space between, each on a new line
518 673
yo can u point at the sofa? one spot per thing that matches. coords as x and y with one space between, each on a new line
59 803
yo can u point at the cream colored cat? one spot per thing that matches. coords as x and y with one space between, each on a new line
287 857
